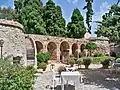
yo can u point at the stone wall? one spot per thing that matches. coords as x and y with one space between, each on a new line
14 40
102 45
16 43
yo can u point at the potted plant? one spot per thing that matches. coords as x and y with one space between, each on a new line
79 62
105 63
60 69
87 61
42 65
71 62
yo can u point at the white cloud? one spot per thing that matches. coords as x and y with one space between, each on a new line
104 8
73 1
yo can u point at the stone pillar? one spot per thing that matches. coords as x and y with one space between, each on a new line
70 50
35 65
58 53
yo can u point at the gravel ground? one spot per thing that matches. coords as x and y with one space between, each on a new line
92 81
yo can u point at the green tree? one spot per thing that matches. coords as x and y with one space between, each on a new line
89 14
91 46
7 13
110 25
29 14
76 28
55 23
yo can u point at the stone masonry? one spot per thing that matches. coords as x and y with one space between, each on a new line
16 43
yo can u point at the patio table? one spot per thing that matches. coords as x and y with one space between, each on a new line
70 76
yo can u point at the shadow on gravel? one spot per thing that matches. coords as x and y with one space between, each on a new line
69 87
102 78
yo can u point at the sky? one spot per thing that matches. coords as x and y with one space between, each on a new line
99 6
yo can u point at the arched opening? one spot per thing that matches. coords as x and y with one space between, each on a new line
64 55
39 46
75 50
52 48
30 50
82 48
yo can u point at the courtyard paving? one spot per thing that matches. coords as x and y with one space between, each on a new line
94 79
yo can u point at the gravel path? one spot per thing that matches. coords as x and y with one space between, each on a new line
94 80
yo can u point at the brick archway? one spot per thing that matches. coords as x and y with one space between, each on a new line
52 48
64 49
75 50
39 46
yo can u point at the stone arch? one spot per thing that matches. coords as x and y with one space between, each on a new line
82 49
75 50
64 51
39 46
52 48
30 51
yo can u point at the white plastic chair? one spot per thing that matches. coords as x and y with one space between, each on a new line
56 78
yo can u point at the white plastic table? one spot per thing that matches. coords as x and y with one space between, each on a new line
70 76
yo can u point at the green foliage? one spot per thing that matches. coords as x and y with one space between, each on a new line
14 77
91 46
29 14
42 65
79 62
43 57
98 54
97 60
7 13
110 25
105 63
87 61
71 62
55 23
89 13
76 28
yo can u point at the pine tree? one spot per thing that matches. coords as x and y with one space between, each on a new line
76 28
55 23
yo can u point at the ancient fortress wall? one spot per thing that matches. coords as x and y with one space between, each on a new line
14 39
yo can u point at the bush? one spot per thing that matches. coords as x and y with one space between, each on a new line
15 77
43 57
79 62
42 65
87 61
71 62
105 63
61 69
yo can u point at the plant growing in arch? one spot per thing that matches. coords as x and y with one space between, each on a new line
91 46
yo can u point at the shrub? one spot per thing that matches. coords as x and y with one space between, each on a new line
105 63
15 77
71 62
87 61
42 65
61 69
79 62
97 60
43 57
